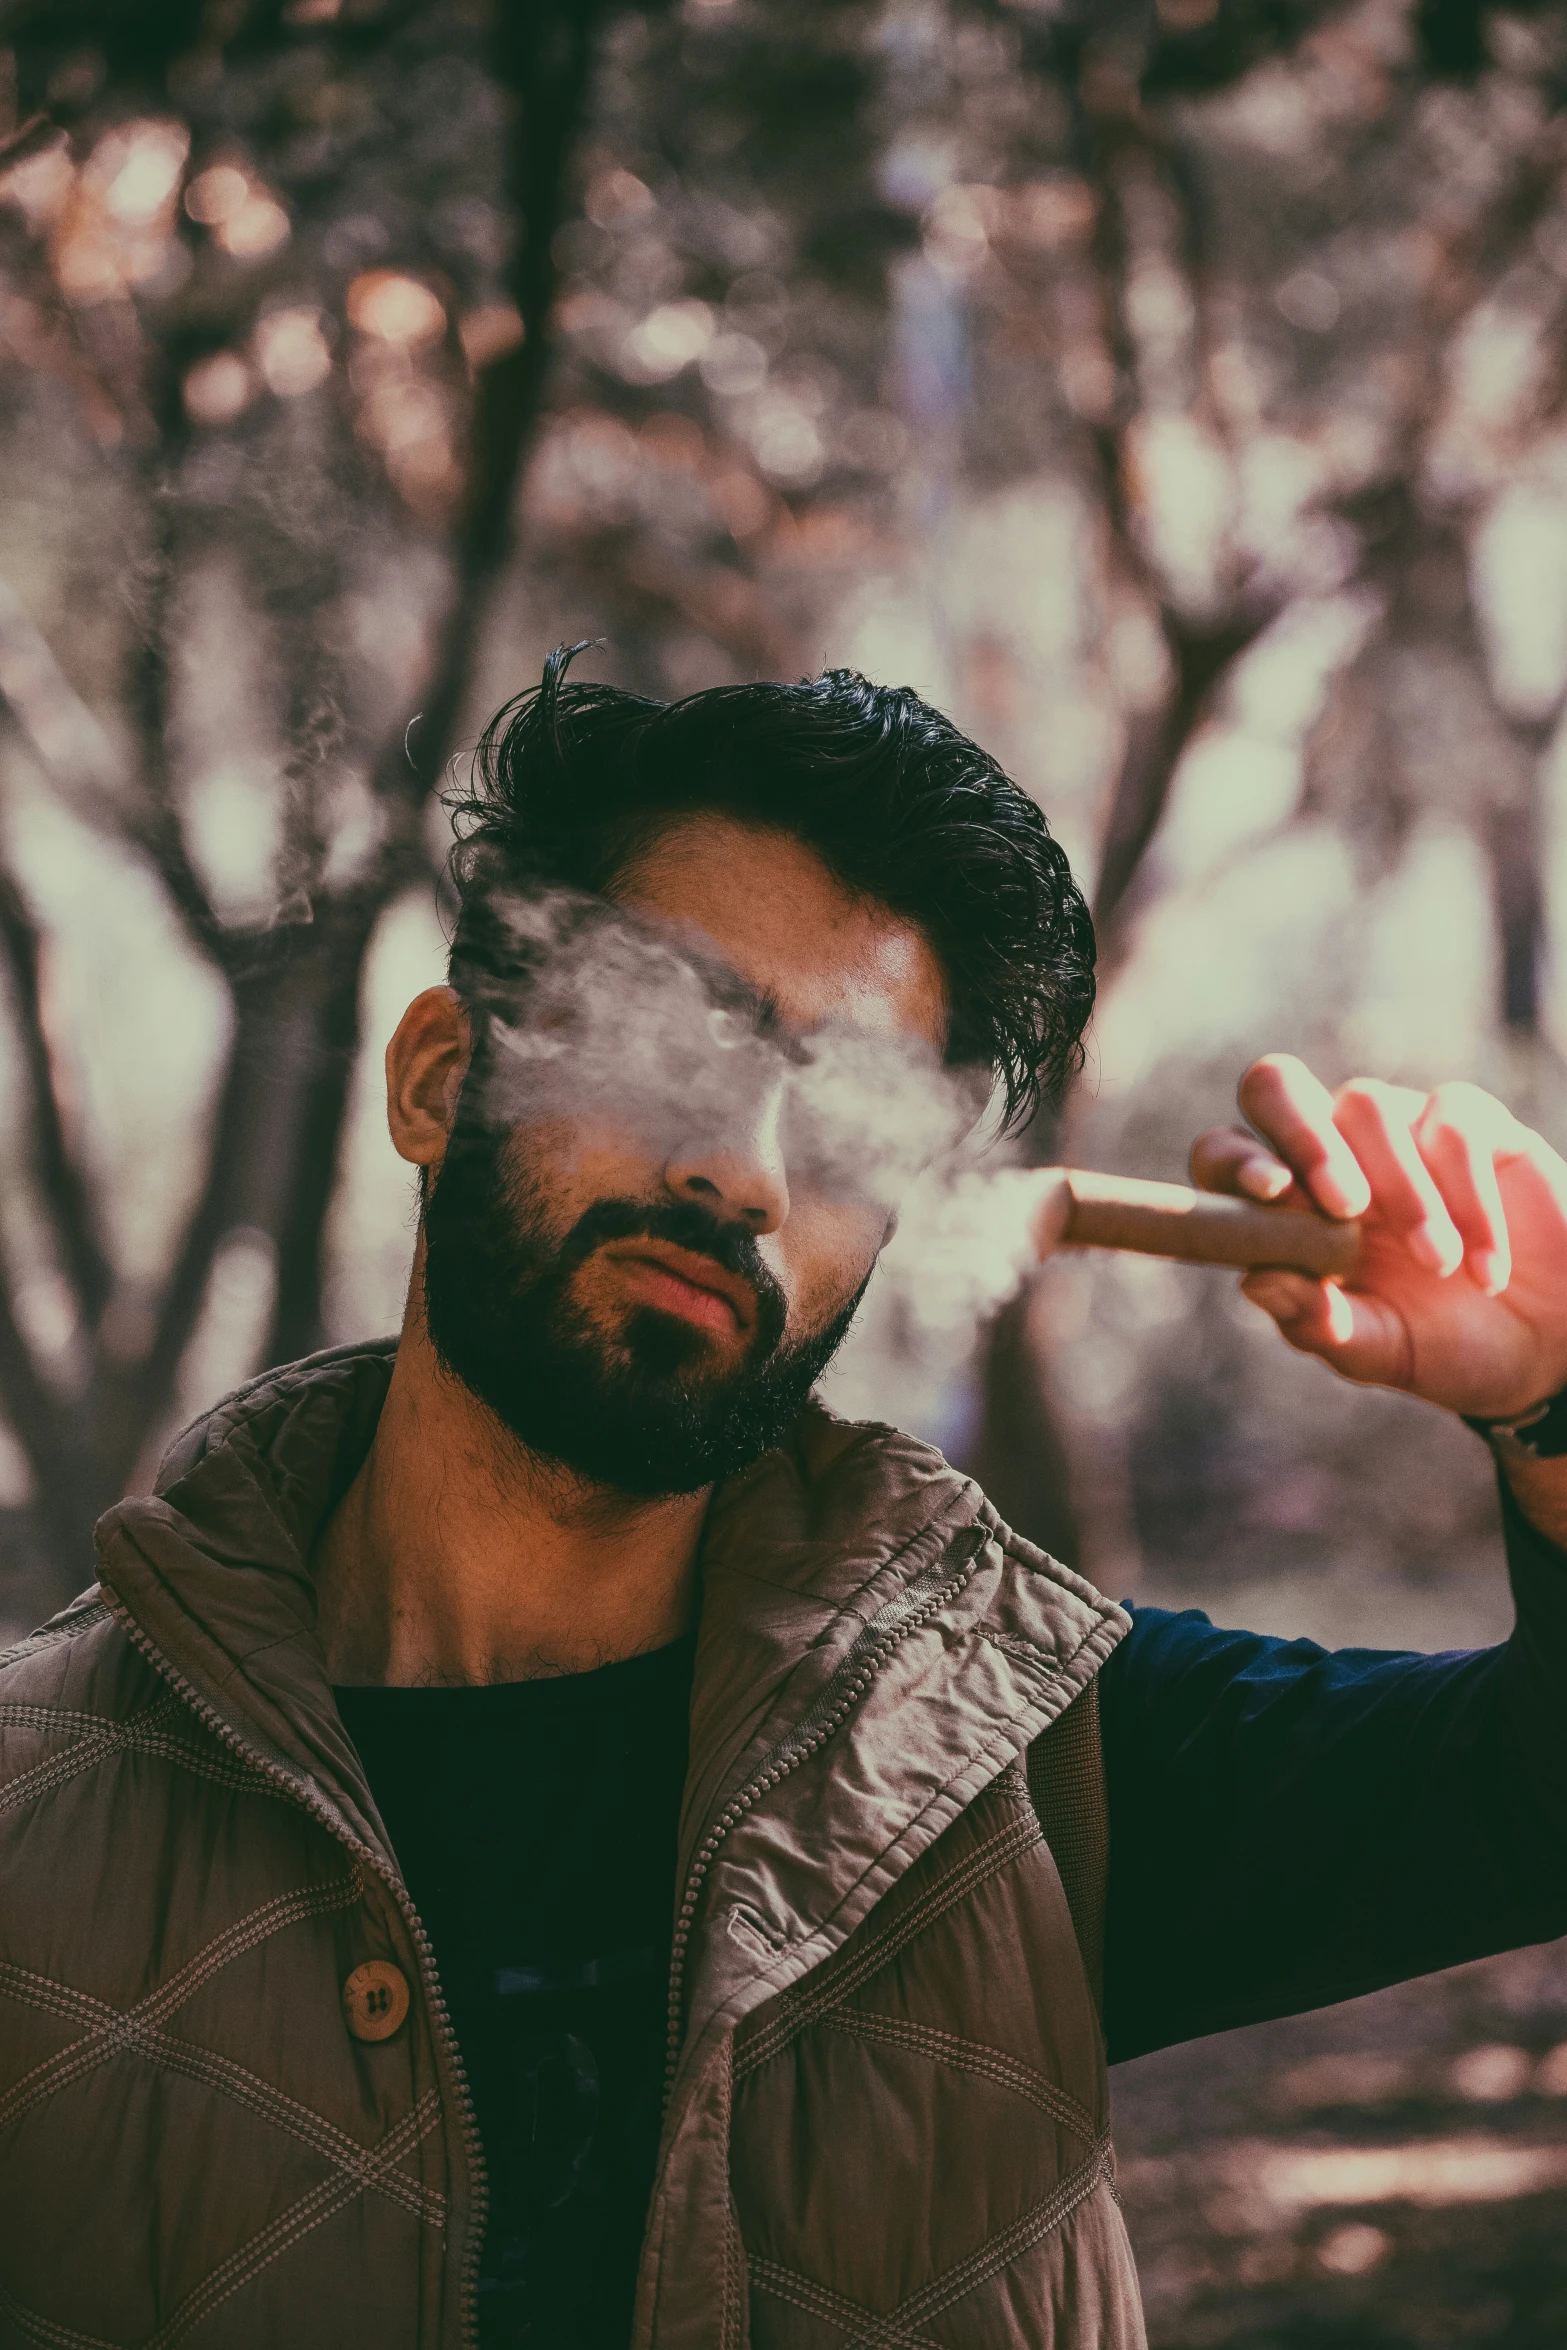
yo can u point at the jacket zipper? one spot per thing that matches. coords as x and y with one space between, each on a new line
923 1595
300 1794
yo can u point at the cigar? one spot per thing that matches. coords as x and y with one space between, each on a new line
1203 1227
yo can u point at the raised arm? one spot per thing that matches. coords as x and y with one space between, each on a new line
1290 1827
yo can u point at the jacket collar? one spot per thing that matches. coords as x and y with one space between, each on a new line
875 1647
213 1567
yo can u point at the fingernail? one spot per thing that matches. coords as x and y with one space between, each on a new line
1490 1271
1338 1197
1264 1178
1427 1250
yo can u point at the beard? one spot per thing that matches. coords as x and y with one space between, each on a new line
642 1408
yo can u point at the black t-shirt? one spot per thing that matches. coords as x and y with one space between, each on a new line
534 1823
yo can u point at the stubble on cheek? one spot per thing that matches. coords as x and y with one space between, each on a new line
562 1165
836 1267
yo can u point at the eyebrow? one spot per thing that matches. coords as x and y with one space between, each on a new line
770 1018
730 990
766 1013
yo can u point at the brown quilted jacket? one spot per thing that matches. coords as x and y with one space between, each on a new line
887 2112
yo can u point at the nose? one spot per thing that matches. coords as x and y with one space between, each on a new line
737 1172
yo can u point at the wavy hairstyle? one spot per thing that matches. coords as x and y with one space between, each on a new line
571 782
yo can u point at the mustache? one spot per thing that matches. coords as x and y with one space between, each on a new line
684 1224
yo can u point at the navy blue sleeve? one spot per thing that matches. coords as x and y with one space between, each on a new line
1290 1826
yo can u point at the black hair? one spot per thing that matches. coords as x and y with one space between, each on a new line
572 781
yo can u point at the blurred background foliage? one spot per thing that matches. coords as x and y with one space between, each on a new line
1173 393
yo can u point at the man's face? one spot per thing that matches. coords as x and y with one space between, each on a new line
666 1187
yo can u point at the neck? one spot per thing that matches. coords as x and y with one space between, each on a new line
457 1556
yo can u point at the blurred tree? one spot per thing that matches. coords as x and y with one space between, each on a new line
1059 357
292 265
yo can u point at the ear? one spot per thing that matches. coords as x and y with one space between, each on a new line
426 1063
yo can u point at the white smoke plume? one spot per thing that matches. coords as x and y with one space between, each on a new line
595 1011
966 1241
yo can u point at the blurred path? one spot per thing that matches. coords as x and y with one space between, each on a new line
1386 2175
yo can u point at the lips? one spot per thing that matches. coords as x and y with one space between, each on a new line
681 1282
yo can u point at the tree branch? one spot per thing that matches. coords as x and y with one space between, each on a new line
312 1177
1019 1457
61 1184
1119 144
1201 656
84 768
542 57
251 1137
154 825
43 1424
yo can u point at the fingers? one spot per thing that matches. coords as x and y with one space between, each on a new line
1375 1121
1459 1134
1425 1164
1227 1158
1294 1112
1533 1149
1361 1336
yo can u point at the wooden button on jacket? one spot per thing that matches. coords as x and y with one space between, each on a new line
887 2117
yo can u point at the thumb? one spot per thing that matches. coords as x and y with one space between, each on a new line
1362 1337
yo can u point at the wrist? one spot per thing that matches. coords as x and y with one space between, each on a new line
1530 1449
1538 1490
1538 1434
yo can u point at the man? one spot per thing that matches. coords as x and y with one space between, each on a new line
536 1835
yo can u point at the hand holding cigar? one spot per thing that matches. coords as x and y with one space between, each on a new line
1410 1240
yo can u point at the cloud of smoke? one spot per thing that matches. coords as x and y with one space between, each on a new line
596 1014
965 1242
